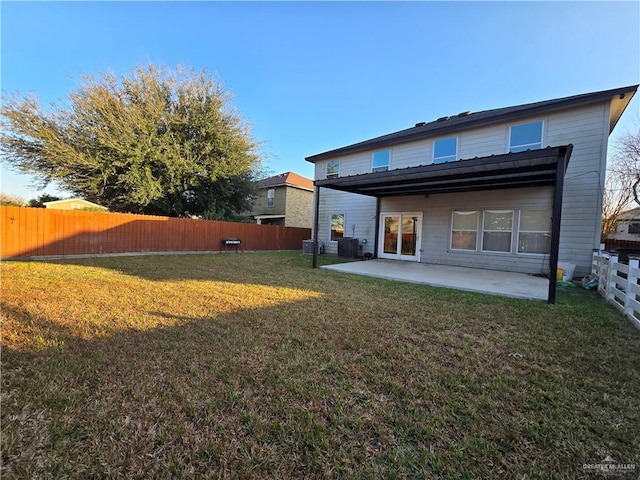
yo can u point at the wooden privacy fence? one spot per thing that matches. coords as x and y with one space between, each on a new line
32 232
618 283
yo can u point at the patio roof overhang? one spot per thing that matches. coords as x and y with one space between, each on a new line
532 168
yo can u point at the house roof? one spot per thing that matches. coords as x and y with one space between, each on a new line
289 179
523 169
630 214
619 98
74 203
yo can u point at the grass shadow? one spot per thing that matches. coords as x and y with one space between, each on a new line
266 369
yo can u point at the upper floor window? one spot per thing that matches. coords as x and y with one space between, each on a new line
380 162
527 136
271 194
333 168
445 150
634 228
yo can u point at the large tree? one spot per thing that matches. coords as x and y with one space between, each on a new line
156 141
622 183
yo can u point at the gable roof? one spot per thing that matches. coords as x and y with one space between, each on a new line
619 98
73 204
288 179
631 214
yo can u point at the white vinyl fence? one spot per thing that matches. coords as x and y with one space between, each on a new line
618 283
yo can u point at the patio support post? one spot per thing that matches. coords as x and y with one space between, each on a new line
555 223
316 210
377 229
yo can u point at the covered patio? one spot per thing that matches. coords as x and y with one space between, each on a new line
492 282
542 167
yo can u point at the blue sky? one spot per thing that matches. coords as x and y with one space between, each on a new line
313 76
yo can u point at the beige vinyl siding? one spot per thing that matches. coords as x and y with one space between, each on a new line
585 127
412 154
358 210
483 141
436 226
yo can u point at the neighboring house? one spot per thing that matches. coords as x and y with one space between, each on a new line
485 189
74 204
285 199
627 226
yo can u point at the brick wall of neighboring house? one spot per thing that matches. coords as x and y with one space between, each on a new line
279 203
299 207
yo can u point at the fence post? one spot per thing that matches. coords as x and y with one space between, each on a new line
603 269
612 271
596 260
632 279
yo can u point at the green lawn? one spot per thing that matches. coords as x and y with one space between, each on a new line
257 366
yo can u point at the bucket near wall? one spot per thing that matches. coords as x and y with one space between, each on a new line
568 269
559 274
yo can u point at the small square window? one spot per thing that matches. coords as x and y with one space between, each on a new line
333 168
380 161
527 136
445 150
634 228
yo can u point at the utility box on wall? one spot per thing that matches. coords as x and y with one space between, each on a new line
348 247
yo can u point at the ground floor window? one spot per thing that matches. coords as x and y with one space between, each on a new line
496 229
337 226
464 232
535 231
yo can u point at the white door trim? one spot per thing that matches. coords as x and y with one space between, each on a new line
398 255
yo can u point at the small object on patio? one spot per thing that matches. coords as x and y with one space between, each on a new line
590 282
368 256
561 283
228 241
517 355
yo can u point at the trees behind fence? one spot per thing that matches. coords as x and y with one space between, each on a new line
32 232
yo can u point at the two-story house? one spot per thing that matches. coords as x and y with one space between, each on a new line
285 199
514 189
627 226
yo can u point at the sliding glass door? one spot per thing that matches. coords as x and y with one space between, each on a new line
400 236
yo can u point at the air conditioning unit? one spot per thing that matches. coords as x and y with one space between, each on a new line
348 247
307 247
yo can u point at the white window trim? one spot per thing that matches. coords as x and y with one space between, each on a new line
530 254
542 134
498 252
333 175
344 223
373 169
477 230
515 232
433 150
273 198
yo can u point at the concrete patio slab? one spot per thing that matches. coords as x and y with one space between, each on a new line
493 282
